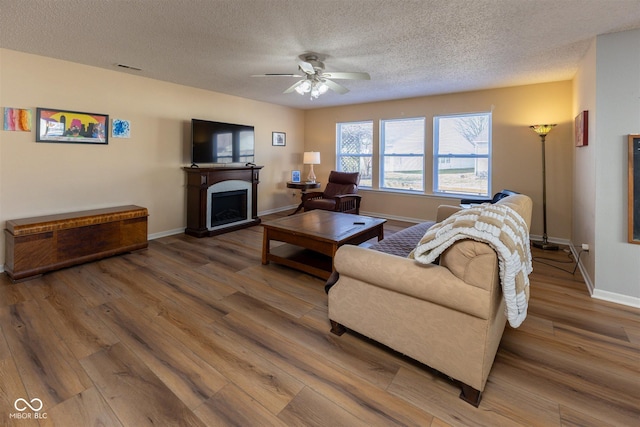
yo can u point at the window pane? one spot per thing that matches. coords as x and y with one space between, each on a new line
355 148
462 159
402 147
357 164
403 136
463 176
403 173
465 134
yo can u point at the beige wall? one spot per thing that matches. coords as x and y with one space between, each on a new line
517 163
43 178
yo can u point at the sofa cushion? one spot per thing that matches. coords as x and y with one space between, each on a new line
332 189
324 204
404 241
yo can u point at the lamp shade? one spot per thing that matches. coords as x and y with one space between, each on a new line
542 130
311 158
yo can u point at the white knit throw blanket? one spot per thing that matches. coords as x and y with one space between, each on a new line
505 231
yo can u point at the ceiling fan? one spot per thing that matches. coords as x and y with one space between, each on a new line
316 80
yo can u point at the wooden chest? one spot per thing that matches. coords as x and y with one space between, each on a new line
36 245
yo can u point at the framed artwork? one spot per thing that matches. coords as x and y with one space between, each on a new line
295 176
121 128
17 119
54 125
582 129
634 189
279 138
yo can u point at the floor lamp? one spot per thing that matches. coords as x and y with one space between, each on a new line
542 131
311 158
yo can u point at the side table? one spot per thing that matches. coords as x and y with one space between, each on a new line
303 187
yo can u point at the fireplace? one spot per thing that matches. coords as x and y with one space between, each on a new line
221 199
228 207
228 204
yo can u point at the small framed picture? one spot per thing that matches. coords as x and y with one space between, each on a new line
295 176
121 128
279 138
581 129
634 189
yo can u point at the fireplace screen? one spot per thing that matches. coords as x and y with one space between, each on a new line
228 207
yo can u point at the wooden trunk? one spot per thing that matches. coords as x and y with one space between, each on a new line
36 245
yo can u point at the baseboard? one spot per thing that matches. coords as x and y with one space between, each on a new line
600 294
165 233
556 240
616 298
583 270
278 210
395 217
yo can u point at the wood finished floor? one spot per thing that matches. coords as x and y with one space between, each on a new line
196 332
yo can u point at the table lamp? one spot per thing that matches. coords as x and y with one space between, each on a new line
311 158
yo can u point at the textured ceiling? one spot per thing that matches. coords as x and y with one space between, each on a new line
410 48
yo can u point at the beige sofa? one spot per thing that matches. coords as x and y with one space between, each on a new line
449 316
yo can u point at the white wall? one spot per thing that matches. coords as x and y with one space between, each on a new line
46 178
617 276
584 167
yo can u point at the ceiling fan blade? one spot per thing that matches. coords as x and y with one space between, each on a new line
275 75
350 76
338 88
305 66
293 86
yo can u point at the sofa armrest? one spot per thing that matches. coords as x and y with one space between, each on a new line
473 262
445 211
403 275
348 203
347 196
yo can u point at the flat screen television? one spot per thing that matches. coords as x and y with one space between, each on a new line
216 142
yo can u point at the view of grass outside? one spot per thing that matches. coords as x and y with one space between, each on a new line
405 180
463 181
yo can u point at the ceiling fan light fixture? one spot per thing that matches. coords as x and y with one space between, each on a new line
304 87
322 87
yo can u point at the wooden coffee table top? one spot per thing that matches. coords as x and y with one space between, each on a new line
325 225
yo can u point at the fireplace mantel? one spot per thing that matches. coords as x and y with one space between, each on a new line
198 182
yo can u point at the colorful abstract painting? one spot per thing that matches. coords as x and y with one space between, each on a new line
71 126
121 128
17 119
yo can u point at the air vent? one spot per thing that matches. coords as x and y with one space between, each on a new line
128 67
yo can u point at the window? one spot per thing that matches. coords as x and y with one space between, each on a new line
462 154
402 154
355 149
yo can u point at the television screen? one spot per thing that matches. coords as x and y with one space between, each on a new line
215 142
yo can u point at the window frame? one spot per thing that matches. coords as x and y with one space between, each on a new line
437 157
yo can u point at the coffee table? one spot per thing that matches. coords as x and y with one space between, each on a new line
312 238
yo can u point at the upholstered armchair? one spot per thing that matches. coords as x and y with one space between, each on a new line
339 195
